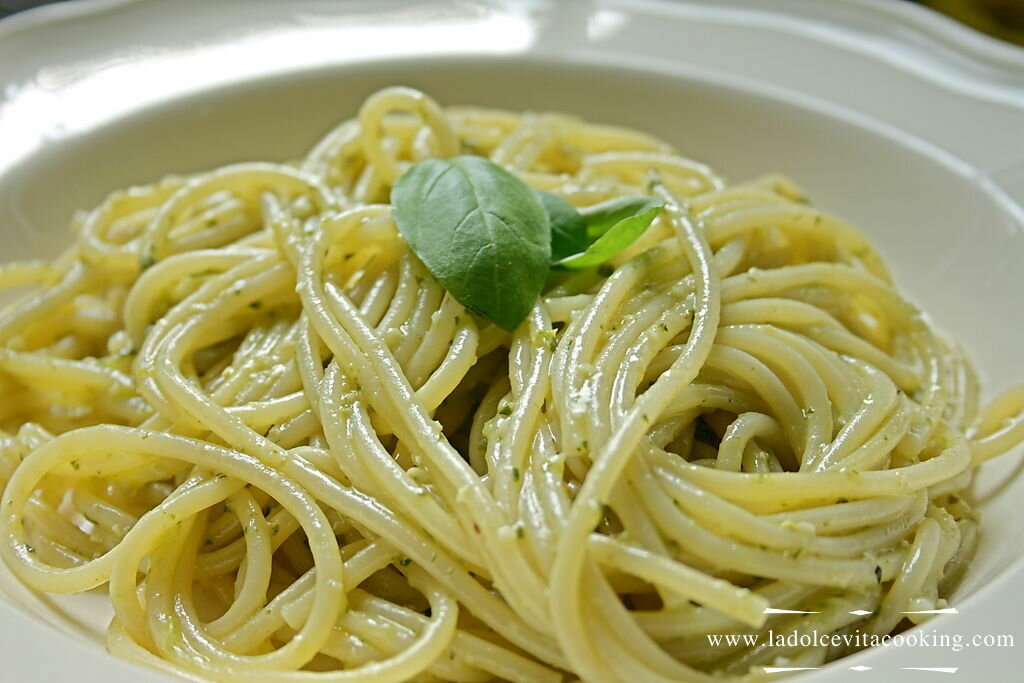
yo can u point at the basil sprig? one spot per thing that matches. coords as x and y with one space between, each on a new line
490 240
613 227
568 228
602 218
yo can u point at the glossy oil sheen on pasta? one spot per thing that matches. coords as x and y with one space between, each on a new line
242 404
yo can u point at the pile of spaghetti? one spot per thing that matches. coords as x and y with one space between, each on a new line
243 404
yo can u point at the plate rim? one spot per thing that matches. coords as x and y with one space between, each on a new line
965 41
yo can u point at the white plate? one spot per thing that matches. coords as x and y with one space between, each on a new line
890 116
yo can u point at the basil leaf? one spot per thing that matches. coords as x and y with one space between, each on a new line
601 218
480 230
617 238
568 229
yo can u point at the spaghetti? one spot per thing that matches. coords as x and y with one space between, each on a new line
242 403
